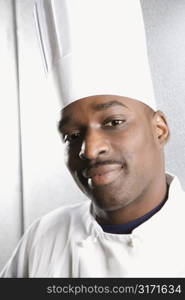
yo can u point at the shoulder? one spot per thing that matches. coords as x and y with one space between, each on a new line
45 240
60 223
64 214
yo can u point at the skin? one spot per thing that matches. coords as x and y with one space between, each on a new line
115 153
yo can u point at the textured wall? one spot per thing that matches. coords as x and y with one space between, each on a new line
45 183
165 22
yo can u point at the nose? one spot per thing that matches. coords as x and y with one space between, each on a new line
94 145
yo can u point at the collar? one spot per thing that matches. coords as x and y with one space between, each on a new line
166 221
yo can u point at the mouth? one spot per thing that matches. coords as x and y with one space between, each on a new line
103 175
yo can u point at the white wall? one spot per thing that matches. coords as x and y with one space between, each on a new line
10 175
34 179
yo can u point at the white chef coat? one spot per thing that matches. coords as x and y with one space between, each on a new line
68 242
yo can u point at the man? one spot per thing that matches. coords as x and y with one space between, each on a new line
132 224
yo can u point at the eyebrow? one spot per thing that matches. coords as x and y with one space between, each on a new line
63 121
96 107
106 105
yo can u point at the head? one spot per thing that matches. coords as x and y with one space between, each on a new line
114 149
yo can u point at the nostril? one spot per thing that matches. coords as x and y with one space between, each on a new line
102 152
83 156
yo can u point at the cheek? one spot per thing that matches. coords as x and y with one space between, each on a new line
72 164
71 157
136 147
144 151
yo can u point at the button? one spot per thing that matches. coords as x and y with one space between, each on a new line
130 243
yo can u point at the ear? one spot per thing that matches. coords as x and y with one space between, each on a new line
161 128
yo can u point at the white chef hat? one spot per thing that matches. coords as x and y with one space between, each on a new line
95 47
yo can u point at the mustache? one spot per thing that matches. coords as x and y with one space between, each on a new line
105 162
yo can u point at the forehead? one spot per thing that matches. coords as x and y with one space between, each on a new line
90 106
100 103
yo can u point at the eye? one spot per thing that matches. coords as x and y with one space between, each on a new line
114 123
71 137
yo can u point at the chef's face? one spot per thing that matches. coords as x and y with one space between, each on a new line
114 148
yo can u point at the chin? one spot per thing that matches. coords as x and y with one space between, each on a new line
110 203
107 197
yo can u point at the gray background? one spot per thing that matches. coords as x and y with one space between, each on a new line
165 29
33 177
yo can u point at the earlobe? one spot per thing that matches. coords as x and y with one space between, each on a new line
161 127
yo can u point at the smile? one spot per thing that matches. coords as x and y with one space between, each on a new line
103 175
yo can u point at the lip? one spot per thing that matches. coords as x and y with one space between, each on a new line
104 174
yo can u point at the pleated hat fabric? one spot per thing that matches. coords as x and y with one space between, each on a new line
94 47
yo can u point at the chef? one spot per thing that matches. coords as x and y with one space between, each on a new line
132 223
